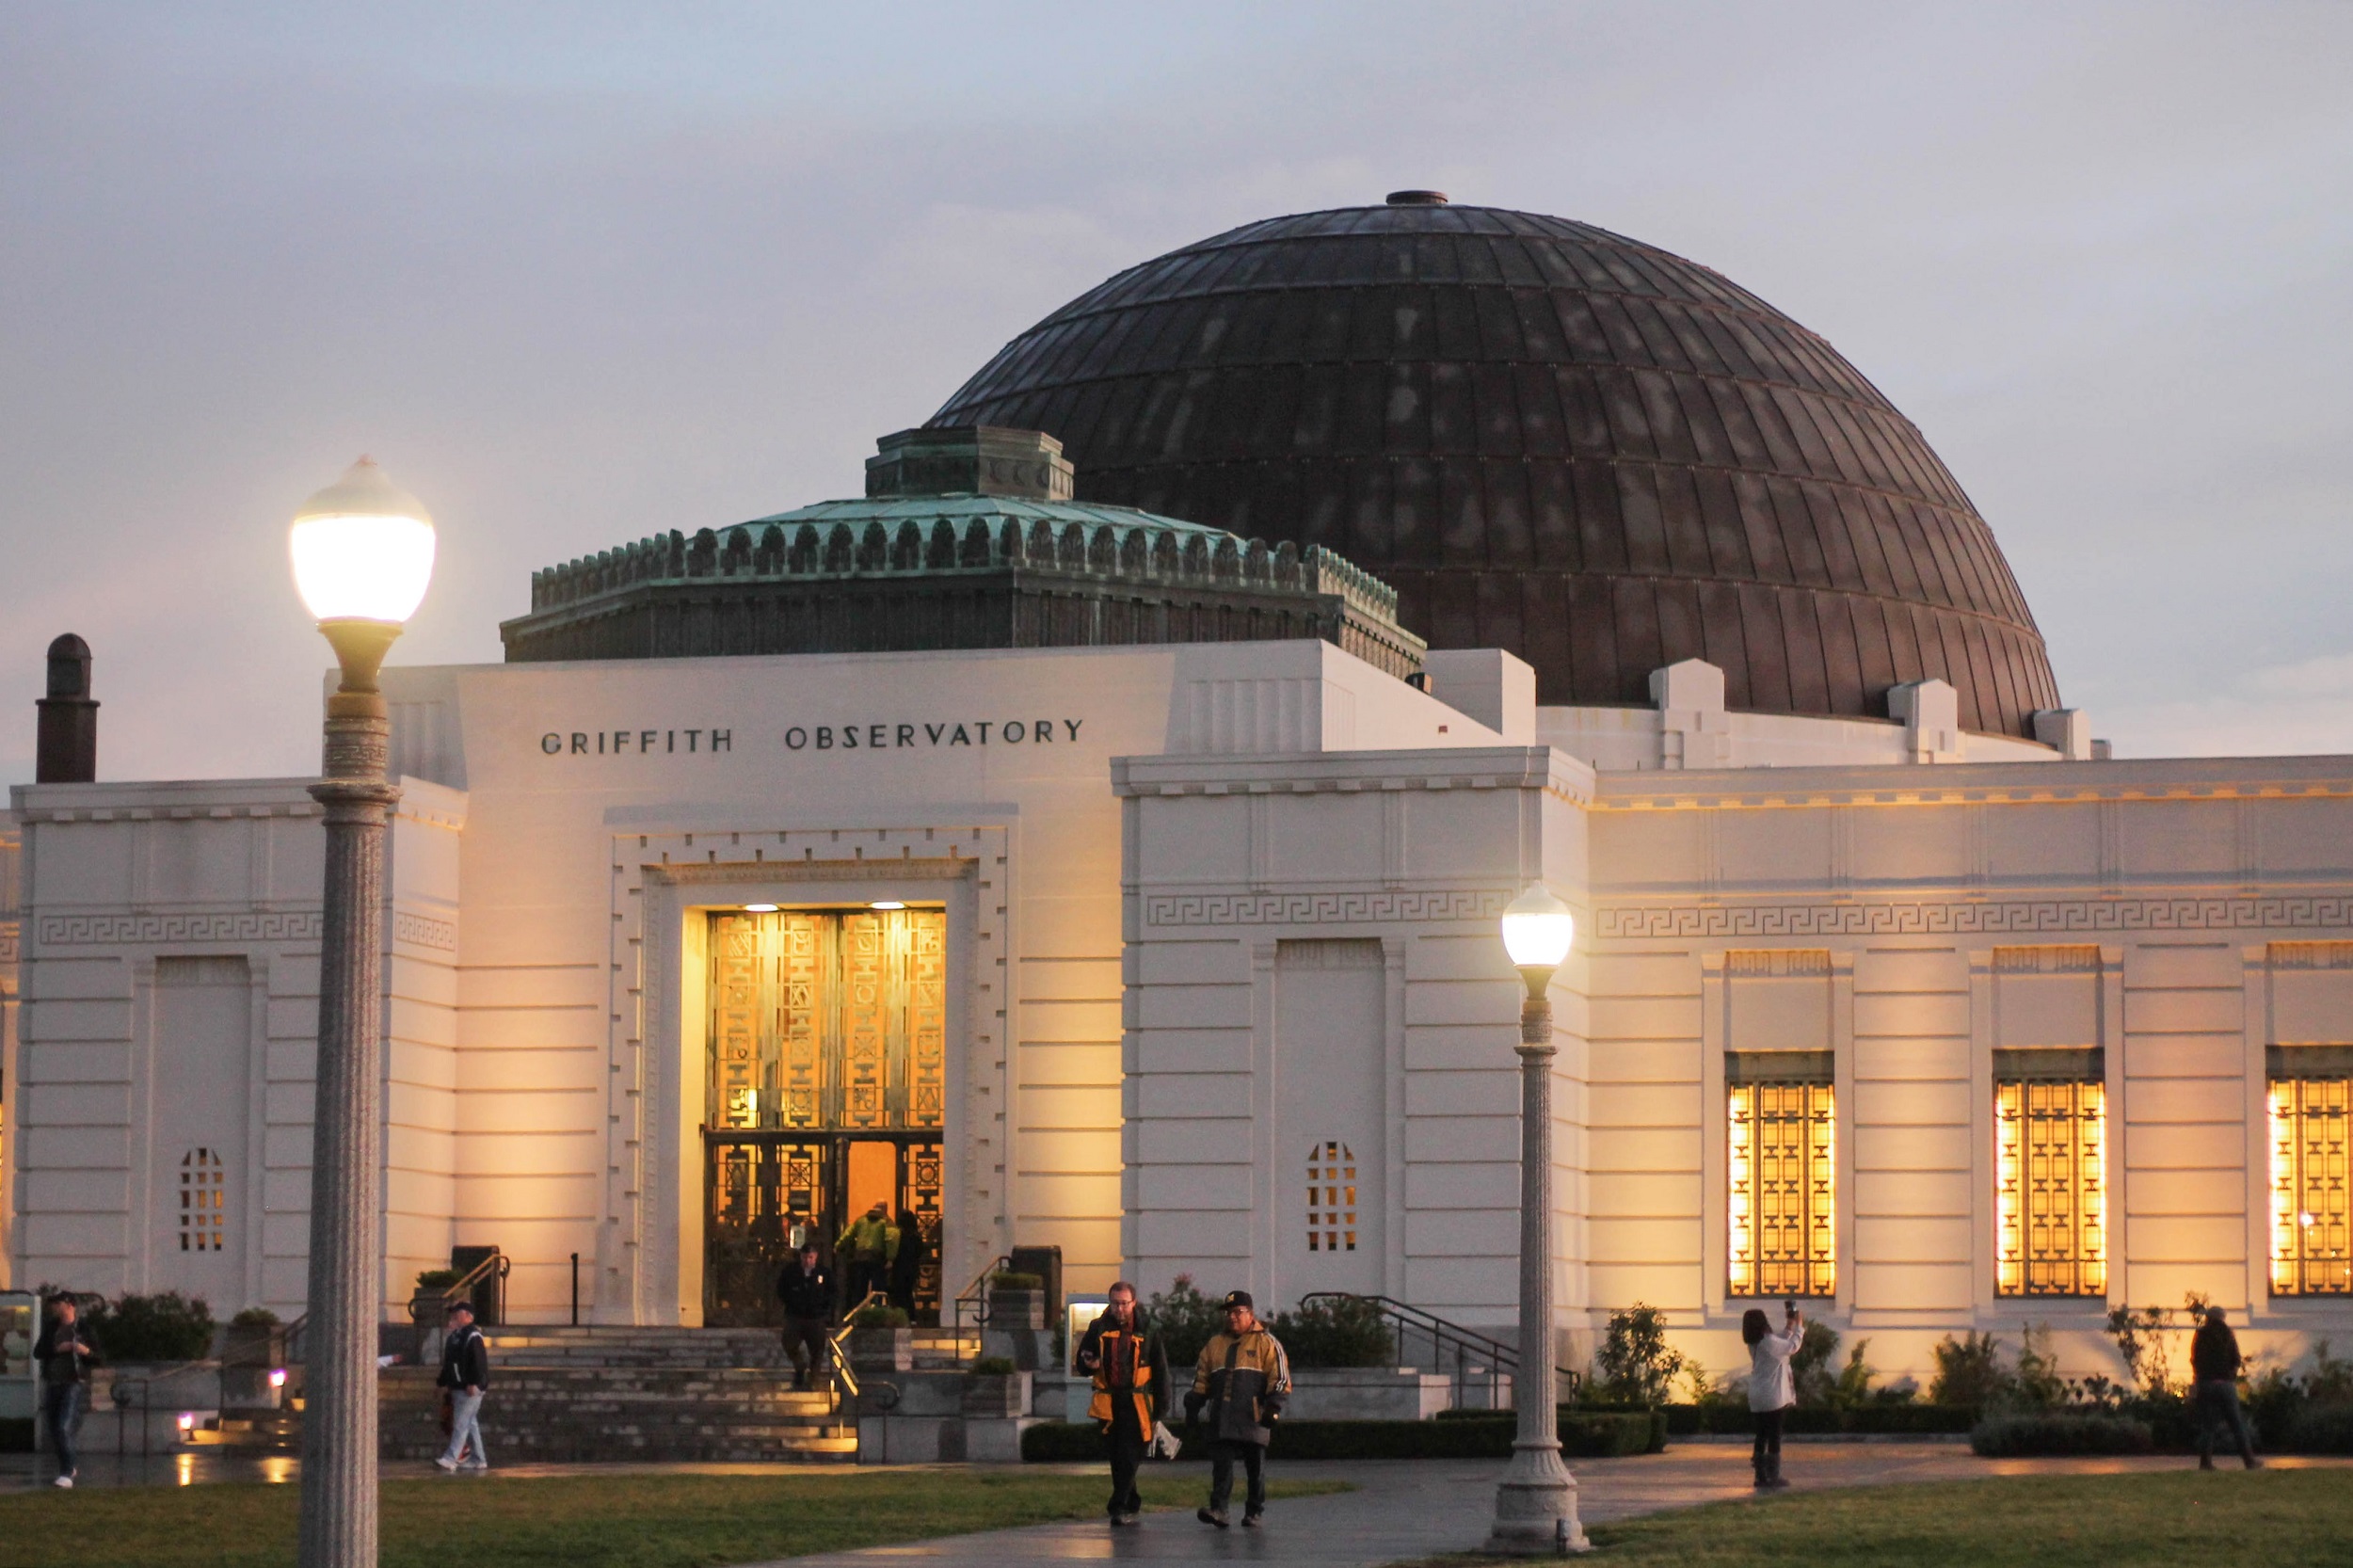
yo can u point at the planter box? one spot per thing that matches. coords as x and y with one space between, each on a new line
999 1397
1368 1394
1017 1309
882 1350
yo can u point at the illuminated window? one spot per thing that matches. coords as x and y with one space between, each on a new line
2312 1252
1331 1198
203 1202
1782 1174
2050 1180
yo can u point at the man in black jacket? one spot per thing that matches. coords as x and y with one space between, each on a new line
2215 1363
64 1355
807 1292
466 1373
1129 1366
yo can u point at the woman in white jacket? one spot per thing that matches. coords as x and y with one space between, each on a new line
1771 1388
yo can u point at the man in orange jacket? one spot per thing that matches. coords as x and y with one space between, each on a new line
1131 1371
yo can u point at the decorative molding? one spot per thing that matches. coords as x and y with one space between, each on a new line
1965 916
423 931
1779 962
2046 960
1463 903
1330 952
11 932
2310 955
244 925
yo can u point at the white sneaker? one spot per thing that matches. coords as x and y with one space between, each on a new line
475 1464
66 1481
447 1463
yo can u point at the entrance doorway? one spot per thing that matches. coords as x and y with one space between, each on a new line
826 1082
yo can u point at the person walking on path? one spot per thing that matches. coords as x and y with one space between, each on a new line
64 1355
868 1241
1772 1388
806 1290
906 1262
1242 1378
466 1373
1130 1365
2213 1363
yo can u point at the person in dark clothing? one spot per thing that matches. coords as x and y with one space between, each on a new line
907 1264
2214 1366
1129 1366
64 1355
805 1289
1242 1379
466 1373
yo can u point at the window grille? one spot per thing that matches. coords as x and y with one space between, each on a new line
1783 1178
2311 1232
1331 1198
2051 1188
203 1202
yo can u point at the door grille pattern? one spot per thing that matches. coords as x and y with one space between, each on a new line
2051 1188
1784 1189
2311 1220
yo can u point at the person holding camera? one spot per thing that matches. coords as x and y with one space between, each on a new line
1773 1388
1242 1378
65 1356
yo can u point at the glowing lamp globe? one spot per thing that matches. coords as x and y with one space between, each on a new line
363 549
1538 929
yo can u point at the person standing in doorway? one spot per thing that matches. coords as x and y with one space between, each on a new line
806 1290
1129 1366
1242 1379
1773 1388
866 1243
906 1262
65 1355
466 1373
2214 1365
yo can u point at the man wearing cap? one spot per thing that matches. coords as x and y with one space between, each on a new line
806 1290
1242 1379
466 1373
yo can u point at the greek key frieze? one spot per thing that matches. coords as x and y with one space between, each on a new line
1990 917
422 931
8 935
1365 908
244 925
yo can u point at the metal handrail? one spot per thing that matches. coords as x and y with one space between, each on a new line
975 1296
847 1391
119 1393
425 1302
1449 1338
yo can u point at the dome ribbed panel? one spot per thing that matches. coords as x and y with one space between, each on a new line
1550 438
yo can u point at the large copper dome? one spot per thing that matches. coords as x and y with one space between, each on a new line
1550 438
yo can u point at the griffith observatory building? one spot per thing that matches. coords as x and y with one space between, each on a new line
1094 837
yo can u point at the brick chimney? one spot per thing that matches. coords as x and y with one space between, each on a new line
67 749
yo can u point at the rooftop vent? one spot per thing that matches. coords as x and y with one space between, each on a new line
1416 199
969 459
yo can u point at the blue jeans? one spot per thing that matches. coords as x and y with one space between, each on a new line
2217 1406
61 1403
465 1426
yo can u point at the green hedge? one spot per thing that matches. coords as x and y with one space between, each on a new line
1693 1421
2020 1436
1583 1435
16 1435
2323 1430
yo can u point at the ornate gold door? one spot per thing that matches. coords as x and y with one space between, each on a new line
826 1029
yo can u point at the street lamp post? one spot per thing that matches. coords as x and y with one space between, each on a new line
362 554
1536 1501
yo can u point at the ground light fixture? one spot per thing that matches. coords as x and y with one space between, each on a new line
1536 1501
887 904
362 552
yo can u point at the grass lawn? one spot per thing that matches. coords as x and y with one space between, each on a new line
623 1521
2278 1518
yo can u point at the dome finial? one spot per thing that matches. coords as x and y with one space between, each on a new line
1416 199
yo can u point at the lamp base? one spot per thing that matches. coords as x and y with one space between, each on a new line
1536 1506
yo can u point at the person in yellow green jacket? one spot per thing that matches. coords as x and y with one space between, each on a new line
868 1243
1130 1365
1242 1379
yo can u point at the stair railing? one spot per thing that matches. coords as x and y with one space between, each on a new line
429 1309
974 1301
847 1391
1466 1355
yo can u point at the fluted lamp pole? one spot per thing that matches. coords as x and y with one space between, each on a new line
362 554
1536 1501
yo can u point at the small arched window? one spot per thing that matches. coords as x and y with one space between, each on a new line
203 1202
1331 1198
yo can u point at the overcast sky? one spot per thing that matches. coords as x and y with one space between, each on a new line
574 273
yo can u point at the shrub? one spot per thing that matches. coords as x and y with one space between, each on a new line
2322 1430
2037 1383
994 1366
430 1280
878 1315
1634 1362
2055 1433
1009 1279
1809 1369
166 1326
254 1316
1342 1331
1187 1320
1968 1370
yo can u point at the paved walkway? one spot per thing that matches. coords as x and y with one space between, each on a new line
1399 1509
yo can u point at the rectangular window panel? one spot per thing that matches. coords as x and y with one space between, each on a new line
2051 1187
1784 1178
2311 1232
